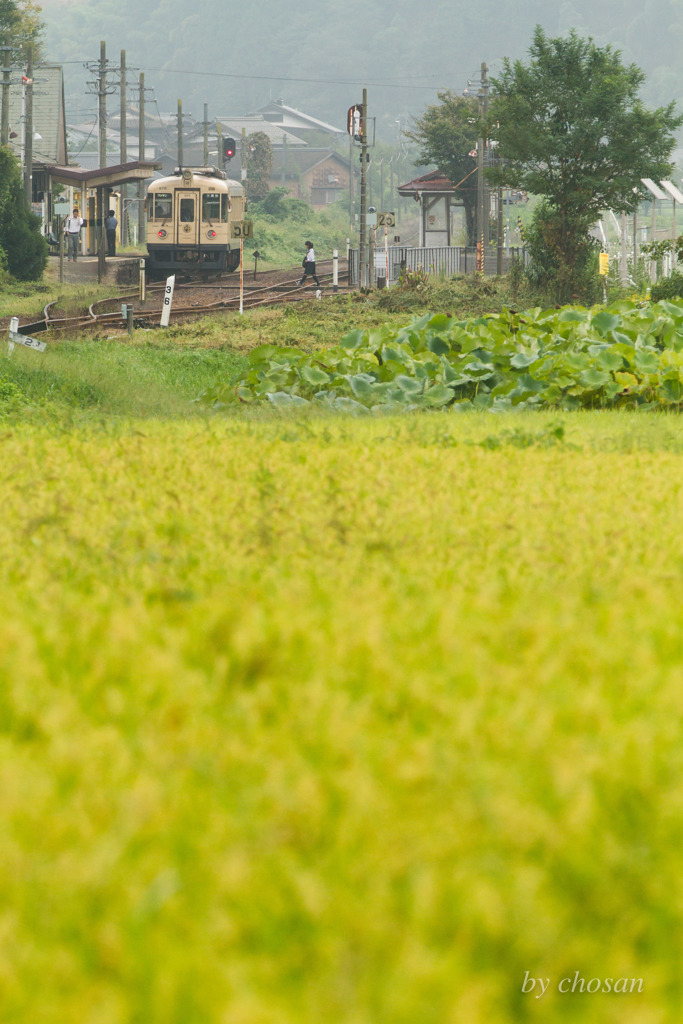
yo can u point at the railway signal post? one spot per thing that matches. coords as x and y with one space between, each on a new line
242 229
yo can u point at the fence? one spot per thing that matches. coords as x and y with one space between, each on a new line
444 260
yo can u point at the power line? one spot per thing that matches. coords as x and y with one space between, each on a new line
286 78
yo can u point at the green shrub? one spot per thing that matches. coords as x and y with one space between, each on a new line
668 288
21 242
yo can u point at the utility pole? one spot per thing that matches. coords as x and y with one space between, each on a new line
244 157
481 201
141 156
364 277
206 134
351 183
123 212
28 127
180 133
6 53
102 104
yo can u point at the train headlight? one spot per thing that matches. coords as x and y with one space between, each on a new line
211 234
161 233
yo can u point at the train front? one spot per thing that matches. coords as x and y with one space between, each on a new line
188 222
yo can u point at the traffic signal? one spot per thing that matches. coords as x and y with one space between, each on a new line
229 148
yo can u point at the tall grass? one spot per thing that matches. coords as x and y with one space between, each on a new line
308 719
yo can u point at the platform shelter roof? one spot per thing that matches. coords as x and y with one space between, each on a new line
435 183
99 177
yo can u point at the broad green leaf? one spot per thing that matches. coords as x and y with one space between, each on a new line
646 362
671 390
439 394
610 360
362 385
314 375
409 385
282 400
594 379
438 346
521 360
573 316
354 339
605 322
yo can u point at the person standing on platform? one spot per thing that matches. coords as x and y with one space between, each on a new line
111 224
74 223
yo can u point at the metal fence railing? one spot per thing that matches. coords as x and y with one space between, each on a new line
443 260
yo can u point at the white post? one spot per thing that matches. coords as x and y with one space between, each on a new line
168 299
241 275
13 329
386 254
142 281
335 270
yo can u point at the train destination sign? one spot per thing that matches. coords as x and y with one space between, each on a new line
22 339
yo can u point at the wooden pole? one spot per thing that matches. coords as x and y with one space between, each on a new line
123 212
364 275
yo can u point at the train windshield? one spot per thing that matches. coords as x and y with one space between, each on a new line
225 206
211 206
163 206
186 210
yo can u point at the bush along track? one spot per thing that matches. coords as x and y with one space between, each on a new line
628 355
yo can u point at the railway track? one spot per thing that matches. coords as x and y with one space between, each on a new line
267 289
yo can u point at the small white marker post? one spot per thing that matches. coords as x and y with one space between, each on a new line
335 270
21 339
143 281
168 299
241 274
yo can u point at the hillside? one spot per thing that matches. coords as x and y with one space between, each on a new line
237 57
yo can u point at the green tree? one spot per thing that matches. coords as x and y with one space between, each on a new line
570 127
260 165
23 250
9 19
446 134
21 25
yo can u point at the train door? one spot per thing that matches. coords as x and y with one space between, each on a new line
186 216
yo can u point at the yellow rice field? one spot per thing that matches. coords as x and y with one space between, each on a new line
323 721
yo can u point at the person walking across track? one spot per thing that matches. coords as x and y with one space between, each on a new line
74 223
110 224
308 264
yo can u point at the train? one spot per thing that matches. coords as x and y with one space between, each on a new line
189 218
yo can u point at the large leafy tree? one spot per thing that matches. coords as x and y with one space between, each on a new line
570 127
447 134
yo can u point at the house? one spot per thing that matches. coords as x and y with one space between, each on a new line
304 126
49 126
317 175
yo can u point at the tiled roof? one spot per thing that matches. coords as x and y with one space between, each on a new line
435 181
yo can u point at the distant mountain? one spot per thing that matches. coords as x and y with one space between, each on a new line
318 56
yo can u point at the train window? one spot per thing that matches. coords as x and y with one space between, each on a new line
163 205
211 206
186 210
225 206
